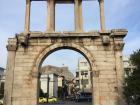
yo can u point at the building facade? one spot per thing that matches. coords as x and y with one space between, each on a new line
83 75
2 81
128 67
60 71
53 84
55 75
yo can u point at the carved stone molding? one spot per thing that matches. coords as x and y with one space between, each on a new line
11 47
105 37
96 73
118 33
23 40
118 46
35 74
101 0
12 44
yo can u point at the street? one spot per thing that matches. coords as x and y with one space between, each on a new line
69 103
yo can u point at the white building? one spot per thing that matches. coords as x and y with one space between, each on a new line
2 81
83 75
128 67
53 84
55 74
61 71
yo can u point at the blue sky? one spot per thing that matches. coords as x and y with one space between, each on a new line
119 14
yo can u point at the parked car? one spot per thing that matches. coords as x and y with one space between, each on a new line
42 100
83 96
1 101
50 100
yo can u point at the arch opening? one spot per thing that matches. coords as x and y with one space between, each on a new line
61 48
48 76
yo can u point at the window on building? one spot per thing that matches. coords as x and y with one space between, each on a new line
85 86
85 63
86 74
127 71
77 74
77 82
85 81
2 90
82 73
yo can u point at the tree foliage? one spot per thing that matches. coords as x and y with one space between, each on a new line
132 82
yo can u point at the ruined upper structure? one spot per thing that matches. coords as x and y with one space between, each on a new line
51 14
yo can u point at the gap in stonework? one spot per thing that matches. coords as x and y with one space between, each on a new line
64 75
38 18
91 19
64 17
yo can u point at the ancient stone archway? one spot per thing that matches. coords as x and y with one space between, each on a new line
103 50
55 47
105 59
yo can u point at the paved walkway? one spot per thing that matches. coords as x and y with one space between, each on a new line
69 103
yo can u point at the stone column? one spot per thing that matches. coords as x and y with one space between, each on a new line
8 91
102 15
78 16
51 16
95 90
118 44
27 16
120 71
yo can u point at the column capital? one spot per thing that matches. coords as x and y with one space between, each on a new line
23 39
11 47
101 0
118 46
12 44
27 1
118 33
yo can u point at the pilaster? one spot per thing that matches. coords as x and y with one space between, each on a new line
118 36
11 47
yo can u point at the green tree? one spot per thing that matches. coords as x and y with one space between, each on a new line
132 82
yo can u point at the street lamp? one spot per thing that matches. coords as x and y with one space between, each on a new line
48 80
82 73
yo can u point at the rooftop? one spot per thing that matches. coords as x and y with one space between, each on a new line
63 71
